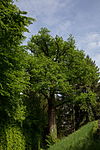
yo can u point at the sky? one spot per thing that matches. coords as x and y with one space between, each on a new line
81 18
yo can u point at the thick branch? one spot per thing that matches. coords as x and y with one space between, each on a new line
45 95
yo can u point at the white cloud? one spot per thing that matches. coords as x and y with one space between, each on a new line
62 28
43 7
52 14
97 59
93 37
90 43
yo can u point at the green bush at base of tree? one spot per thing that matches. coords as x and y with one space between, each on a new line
12 138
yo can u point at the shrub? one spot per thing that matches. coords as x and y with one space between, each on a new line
12 138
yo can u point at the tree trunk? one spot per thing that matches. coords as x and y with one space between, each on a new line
52 127
77 117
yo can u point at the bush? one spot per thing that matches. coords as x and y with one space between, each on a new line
12 138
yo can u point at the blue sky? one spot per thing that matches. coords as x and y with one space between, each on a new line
81 18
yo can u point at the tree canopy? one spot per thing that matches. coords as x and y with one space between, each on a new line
58 68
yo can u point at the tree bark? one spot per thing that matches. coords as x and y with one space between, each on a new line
52 127
77 117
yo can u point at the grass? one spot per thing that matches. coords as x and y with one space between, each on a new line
86 138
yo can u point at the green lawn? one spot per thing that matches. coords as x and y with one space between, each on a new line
86 138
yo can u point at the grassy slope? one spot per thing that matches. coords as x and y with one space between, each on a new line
84 139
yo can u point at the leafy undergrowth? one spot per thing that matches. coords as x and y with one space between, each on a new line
86 138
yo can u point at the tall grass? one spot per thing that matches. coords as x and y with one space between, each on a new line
83 139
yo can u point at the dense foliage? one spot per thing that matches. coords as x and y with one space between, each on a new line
13 78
